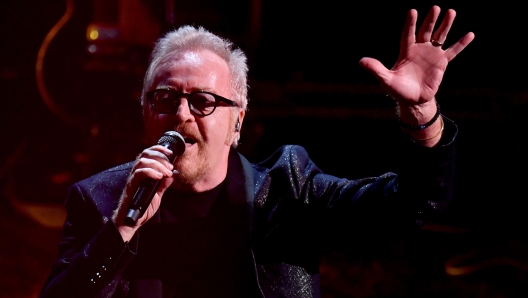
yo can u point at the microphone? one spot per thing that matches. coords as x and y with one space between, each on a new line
147 189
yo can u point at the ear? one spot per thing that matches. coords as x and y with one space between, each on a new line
238 125
234 136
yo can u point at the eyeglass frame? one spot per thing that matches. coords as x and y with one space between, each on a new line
230 103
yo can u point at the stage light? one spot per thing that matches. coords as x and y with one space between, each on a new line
94 34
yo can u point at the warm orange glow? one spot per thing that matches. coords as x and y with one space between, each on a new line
94 34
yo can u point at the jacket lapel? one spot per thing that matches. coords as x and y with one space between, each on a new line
240 184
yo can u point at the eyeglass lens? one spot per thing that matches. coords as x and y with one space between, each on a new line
166 101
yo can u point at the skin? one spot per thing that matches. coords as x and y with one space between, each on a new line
415 78
208 139
413 82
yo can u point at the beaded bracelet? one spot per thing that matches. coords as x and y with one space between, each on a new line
423 126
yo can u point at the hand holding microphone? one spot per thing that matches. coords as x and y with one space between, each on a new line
173 141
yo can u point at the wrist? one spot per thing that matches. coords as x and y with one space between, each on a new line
418 117
429 136
126 232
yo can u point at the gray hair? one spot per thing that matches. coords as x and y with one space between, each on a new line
191 38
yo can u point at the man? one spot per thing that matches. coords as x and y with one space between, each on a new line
219 226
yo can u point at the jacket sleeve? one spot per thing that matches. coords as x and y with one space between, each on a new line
295 196
418 190
92 254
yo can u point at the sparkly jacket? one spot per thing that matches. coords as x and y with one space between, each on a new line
294 214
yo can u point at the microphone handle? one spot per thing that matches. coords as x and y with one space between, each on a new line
144 195
141 201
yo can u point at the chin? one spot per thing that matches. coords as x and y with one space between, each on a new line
190 171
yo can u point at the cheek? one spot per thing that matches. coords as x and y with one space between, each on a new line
217 128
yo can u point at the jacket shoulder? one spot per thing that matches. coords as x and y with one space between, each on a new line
283 156
108 177
102 190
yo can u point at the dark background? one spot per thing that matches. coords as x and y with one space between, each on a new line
306 88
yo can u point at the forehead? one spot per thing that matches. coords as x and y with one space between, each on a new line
197 65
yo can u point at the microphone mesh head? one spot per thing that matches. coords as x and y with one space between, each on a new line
175 140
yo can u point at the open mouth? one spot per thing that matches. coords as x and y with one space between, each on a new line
189 141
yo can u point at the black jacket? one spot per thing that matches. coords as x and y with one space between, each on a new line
294 214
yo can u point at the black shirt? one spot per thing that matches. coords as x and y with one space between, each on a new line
199 248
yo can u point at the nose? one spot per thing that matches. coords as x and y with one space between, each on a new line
183 113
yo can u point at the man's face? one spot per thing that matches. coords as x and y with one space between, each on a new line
208 139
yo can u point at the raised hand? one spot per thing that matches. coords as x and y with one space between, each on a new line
417 74
415 78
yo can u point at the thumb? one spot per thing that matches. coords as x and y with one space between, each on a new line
376 68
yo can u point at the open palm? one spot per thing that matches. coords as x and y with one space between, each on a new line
416 76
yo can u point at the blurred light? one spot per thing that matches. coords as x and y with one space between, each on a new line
94 34
81 158
92 48
61 178
101 32
94 130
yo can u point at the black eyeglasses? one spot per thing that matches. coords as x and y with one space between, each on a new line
201 103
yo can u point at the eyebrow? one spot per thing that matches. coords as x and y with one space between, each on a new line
193 89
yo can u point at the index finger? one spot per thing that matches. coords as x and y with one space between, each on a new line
158 153
162 149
